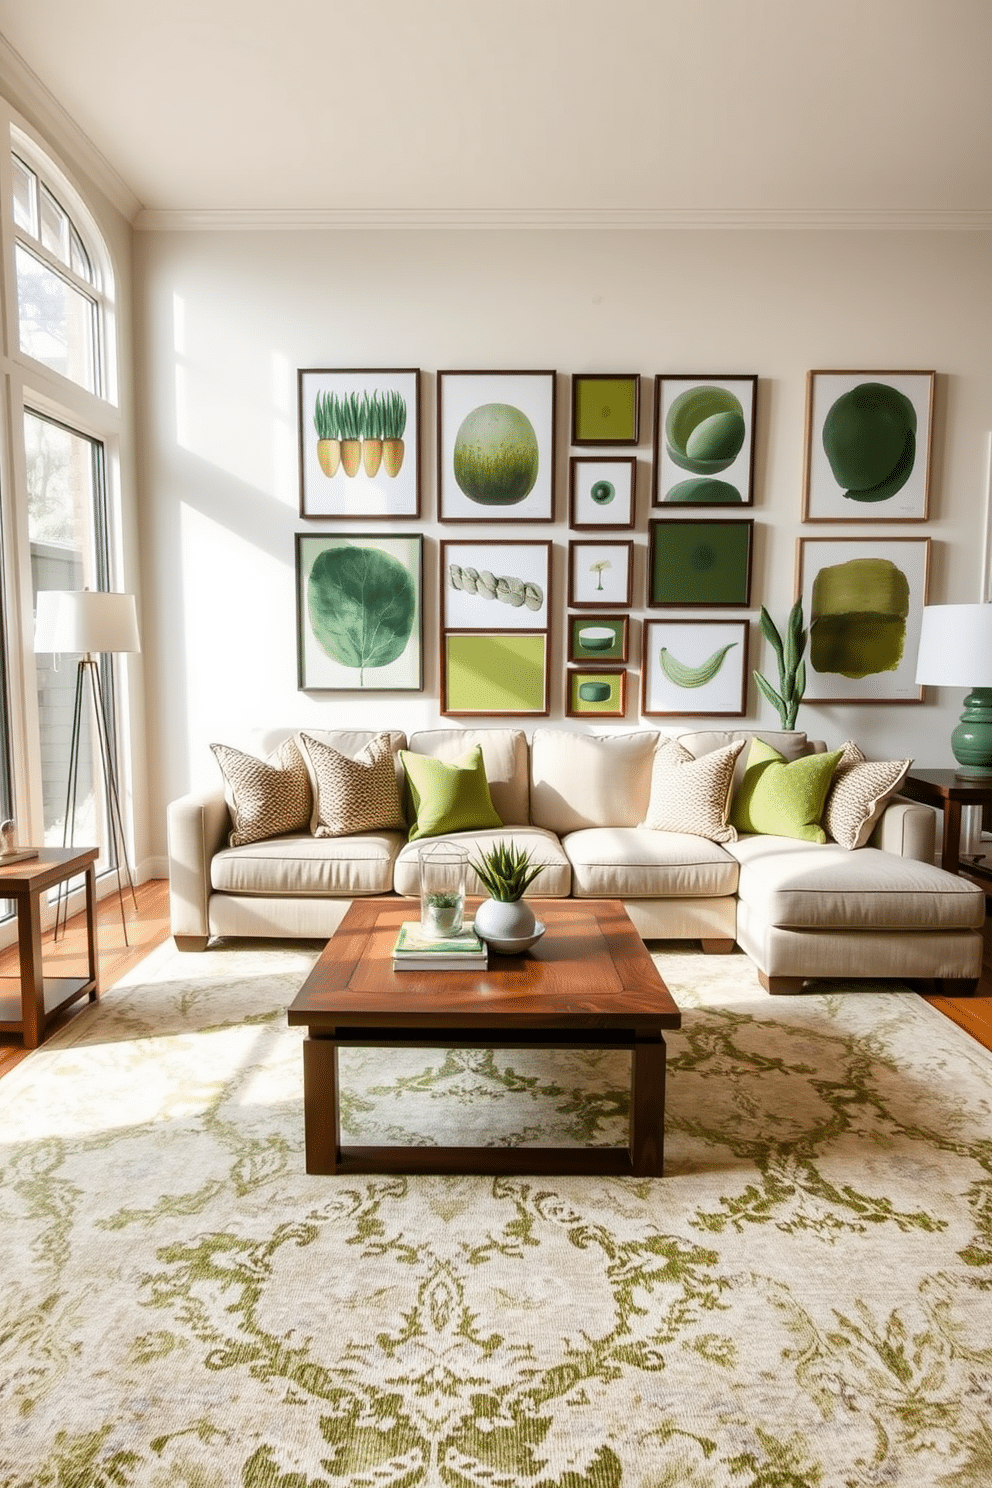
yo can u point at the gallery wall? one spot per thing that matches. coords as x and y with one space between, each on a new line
225 320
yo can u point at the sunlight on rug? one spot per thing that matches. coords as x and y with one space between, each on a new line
803 1301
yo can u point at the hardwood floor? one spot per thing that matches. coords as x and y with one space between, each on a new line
150 927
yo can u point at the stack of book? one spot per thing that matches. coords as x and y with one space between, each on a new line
414 952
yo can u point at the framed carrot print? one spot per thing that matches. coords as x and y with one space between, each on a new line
359 434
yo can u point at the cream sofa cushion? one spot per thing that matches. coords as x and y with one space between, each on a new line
504 754
300 867
690 794
554 883
640 863
823 886
588 780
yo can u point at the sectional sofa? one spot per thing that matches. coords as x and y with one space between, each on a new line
799 909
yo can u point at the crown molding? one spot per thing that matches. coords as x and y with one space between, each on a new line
845 219
25 91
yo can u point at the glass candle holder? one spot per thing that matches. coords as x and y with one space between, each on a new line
443 870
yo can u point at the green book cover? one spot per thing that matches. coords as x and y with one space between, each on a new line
412 941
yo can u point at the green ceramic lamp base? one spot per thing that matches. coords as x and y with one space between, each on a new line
971 741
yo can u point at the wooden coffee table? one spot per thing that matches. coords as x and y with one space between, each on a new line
588 984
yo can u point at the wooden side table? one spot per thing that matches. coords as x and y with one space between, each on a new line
949 791
41 997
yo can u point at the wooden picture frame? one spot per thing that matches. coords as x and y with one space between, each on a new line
863 602
495 674
704 440
600 567
606 408
596 694
359 612
496 446
694 668
359 442
491 586
601 492
868 446
593 639
702 562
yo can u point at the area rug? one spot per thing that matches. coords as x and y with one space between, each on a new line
804 1300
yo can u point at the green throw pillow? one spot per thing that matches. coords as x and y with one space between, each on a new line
783 799
448 797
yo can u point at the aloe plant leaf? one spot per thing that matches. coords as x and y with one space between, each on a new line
362 604
777 702
770 632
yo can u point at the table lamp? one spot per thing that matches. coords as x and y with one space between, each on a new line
956 651
90 622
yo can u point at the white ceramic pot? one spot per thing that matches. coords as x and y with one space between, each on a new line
497 920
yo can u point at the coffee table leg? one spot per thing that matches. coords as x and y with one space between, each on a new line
647 1108
321 1118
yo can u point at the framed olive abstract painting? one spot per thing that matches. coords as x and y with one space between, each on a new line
706 562
496 446
863 602
704 440
359 612
494 675
359 442
868 440
605 407
694 669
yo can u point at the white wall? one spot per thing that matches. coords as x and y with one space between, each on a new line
225 319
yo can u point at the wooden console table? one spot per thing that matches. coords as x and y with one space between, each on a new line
948 792
41 997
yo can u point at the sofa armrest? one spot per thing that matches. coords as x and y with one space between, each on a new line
907 829
198 825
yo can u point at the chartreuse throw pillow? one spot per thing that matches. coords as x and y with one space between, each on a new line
448 797
780 798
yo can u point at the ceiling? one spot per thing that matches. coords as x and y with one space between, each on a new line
591 112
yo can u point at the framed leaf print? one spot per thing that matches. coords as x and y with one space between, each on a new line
495 585
494 674
597 638
359 434
601 492
600 574
863 603
706 562
605 407
601 694
496 446
704 440
868 441
694 669
359 613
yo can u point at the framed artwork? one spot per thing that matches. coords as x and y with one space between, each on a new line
496 446
601 492
605 407
494 673
694 668
495 585
593 638
704 562
600 574
868 440
359 612
601 694
359 442
704 440
862 603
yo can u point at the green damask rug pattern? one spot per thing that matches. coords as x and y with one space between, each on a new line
803 1301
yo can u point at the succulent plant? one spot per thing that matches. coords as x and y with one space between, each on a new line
506 871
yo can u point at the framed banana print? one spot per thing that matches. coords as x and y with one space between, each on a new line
694 669
703 562
359 434
601 694
601 492
494 674
863 602
598 638
600 574
868 441
496 446
359 612
704 440
605 407
495 585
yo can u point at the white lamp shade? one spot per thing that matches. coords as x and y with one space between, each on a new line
956 646
79 620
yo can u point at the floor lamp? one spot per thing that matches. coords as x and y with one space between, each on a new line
92 623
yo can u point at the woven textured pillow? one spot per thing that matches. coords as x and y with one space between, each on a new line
859 793
777 799
266 798
448 797
353 795
692 795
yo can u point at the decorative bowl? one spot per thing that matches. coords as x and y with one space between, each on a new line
596 637
522 943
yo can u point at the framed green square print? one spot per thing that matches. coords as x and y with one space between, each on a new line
699 562
495 673
605 407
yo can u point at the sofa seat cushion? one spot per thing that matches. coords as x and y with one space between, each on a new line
812 886
309 867
554 883
640 863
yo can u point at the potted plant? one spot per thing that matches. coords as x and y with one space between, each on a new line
507 872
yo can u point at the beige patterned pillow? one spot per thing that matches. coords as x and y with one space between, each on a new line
353 795
858 795
266 798
692 795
